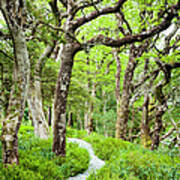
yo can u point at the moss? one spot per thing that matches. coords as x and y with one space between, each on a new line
146 141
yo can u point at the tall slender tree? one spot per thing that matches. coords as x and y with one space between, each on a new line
14 13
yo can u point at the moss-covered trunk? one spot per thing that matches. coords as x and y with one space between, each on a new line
145 130
122 117
15 112
124 98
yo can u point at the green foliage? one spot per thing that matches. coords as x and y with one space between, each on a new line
109 118
108 146
38 162
76 134
127 161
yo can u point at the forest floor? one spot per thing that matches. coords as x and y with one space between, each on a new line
90 157
94 164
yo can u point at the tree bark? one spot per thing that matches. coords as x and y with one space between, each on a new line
87 104
41 128
118 95
158 127
50 116
145 130
160 110
15 112
123 100
86 116
59 131
104 112
91 108
70 119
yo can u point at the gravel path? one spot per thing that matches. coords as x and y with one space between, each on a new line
94 164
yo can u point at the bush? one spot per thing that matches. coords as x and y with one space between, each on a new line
38 162
109 146
73 133
129 161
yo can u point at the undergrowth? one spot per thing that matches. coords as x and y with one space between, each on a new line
37 162
125 160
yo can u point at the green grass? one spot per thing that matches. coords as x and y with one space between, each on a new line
37 162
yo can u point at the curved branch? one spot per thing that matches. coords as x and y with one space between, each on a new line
101 39
85 5
107 10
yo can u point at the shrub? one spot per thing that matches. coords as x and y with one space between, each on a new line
129 161
73 133
38 162
105 148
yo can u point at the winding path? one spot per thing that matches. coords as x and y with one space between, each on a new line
94 164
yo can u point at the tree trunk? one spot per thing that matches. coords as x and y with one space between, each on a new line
124 99
52 120
91 108
79 120
70 119
104 112
86 116
50 116
35 100
131 128
59 131
87 104
158 127
160 110
145 130
41 129
15 112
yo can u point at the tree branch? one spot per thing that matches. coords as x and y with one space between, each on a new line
167 134
85 5
5 36
5 54
64 3
152 74
107 10
101 39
